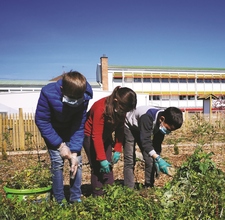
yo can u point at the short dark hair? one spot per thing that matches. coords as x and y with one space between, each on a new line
73 84
173 117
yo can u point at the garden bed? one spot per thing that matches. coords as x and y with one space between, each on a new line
16 162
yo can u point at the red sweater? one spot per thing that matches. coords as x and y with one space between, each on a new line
100 131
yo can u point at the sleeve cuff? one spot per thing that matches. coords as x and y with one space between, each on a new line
152 152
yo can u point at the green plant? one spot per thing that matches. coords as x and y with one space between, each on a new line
35 176
196 191
29 141
6 137
172 139
201 131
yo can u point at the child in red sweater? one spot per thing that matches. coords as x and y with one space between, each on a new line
106 116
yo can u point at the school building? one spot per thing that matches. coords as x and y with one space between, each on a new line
165 86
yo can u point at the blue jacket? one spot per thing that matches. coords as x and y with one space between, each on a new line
59 122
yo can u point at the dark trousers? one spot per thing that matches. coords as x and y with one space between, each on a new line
131 138
98 179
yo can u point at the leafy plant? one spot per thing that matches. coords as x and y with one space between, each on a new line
32 177
201 130
196 192
6 137
197 189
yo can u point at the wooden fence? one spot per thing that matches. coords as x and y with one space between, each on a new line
19 131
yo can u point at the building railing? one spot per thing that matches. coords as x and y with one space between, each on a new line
19 89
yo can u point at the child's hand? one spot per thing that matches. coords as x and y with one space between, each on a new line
74 165
162 165
105 166
116 157
64 151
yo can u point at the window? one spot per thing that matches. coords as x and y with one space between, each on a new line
164 80
191 80
173 80
146 80
200 80
128 80
222 80
216 81
117 80
156 97
182 80
208 80
156 80
137 80
191 97
174 97
4 90
183 97
165 97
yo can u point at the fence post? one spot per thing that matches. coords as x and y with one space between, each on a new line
21 130
2 141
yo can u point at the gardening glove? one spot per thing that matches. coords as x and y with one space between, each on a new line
157 170
162 165
74 165
105 166
116 157
64 151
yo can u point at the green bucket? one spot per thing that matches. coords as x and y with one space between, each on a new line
36 195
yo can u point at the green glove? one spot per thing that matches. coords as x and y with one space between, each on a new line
116 157
162 165
105 166
157 170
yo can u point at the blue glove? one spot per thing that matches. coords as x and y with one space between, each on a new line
161 165
105 166
116 157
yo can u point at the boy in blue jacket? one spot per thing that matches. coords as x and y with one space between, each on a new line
147 126
60 117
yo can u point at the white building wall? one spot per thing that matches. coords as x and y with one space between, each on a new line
182 87
208 87
11 102
147 86
186 85
191 87
110 85
222 86
165 87
173 87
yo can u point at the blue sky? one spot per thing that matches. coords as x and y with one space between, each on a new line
40 39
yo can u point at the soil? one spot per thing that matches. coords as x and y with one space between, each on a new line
16 162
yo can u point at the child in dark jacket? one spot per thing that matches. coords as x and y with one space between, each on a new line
147 126
60 117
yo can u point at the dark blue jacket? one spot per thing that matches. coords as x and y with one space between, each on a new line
59 122
145 121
